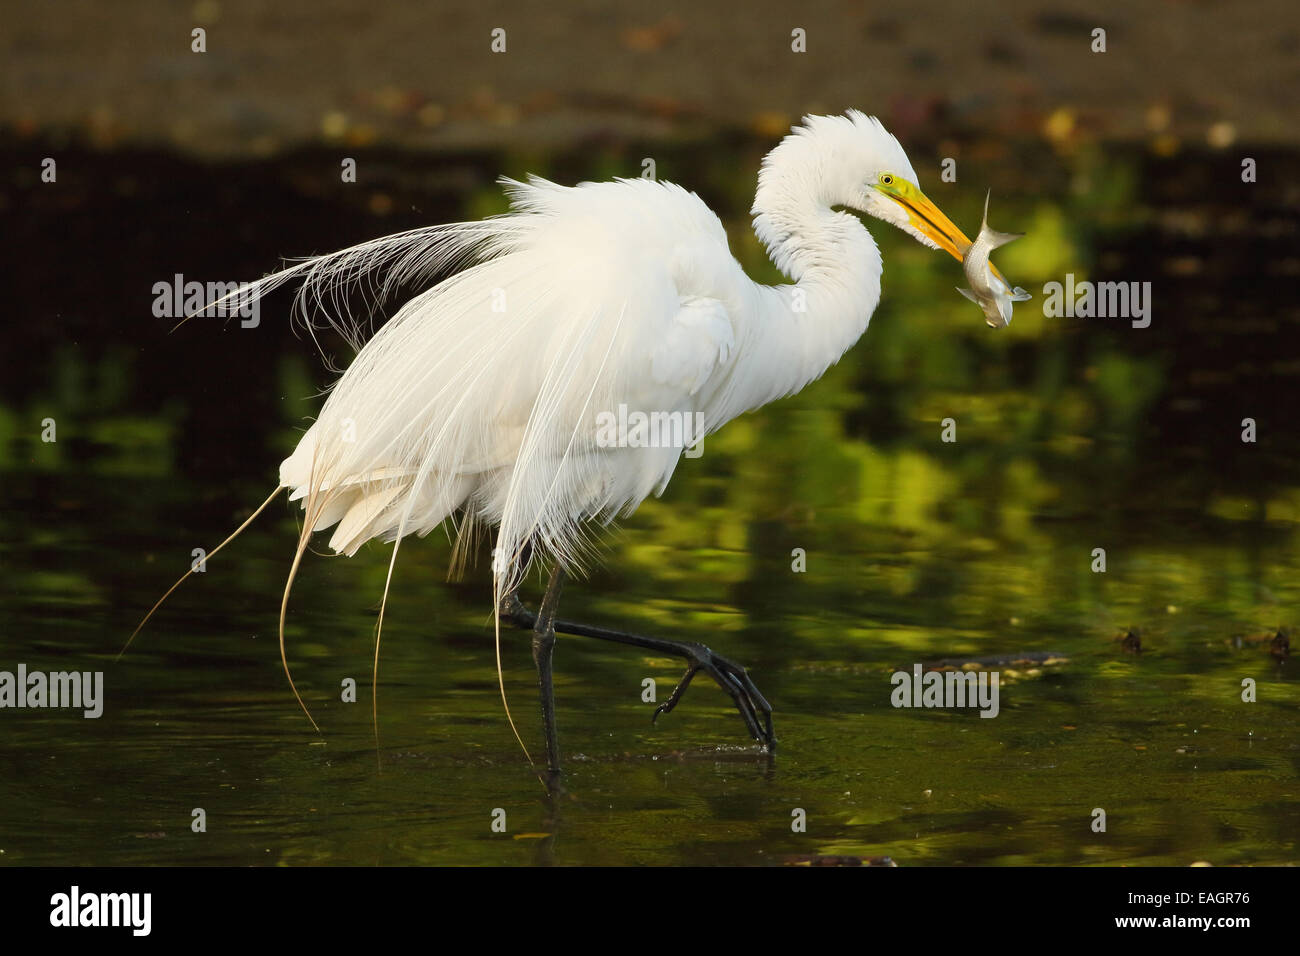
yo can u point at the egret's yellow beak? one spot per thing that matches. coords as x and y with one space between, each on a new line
928 219
925 217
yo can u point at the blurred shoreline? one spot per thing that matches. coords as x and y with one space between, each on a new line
277 77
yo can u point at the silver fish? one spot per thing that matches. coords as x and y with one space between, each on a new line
987 290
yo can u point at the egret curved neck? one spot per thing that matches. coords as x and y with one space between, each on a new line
836 266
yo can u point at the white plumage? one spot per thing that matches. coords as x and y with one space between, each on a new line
479 400
482 394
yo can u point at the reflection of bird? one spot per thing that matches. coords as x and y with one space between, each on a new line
479 402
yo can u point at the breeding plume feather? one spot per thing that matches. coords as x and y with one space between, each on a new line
477 405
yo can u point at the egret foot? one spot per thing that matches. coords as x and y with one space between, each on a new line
731 677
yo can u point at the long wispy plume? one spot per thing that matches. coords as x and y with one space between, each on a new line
475 404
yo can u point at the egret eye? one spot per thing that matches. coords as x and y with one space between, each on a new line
886 179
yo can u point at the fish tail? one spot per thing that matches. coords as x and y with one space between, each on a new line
995 238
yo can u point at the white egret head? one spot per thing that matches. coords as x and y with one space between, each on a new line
865 169
848 162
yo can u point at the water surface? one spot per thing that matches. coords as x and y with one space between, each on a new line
1073 434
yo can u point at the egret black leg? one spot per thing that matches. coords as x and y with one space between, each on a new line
543 647
731 677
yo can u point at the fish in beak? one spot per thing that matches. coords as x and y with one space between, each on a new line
989 288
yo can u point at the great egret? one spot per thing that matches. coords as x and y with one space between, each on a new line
480 402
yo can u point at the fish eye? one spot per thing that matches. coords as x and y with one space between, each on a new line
886 179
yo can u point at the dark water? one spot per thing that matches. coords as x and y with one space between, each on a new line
1072 434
